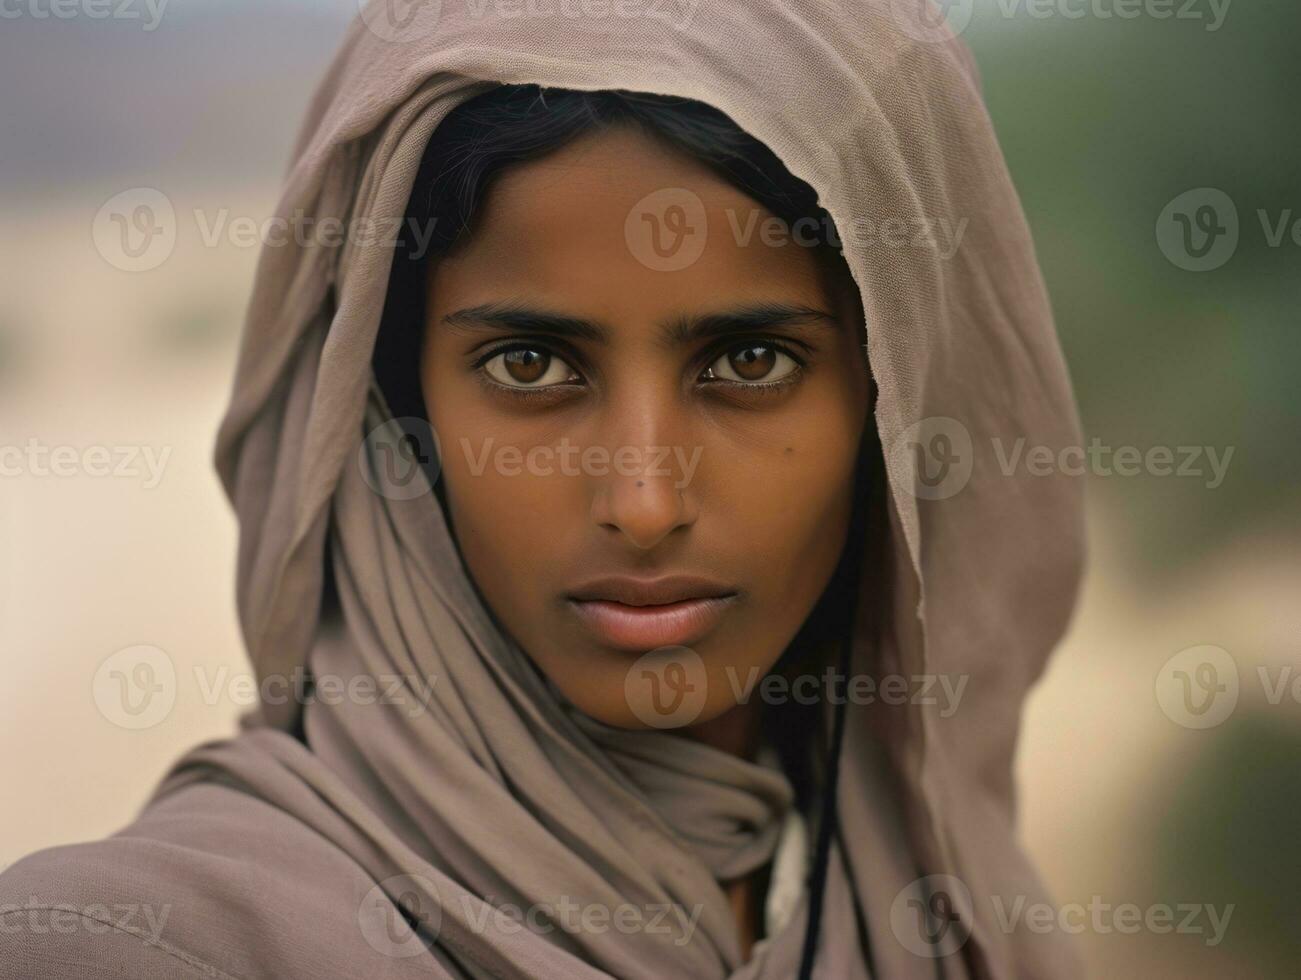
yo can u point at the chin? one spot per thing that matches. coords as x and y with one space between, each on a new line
667 688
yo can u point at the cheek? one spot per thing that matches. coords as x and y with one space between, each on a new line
508 523
790 505
492 543
503 521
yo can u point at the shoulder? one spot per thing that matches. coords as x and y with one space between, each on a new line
207 882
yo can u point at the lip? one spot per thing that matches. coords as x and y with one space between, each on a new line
643 614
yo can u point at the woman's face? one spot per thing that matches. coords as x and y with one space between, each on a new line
648 453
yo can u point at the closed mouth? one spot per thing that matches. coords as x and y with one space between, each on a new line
642 614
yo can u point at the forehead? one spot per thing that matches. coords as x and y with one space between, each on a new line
616 220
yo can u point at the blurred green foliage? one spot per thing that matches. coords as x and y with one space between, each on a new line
1227 834
1103 122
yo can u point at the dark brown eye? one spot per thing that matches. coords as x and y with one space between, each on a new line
753 363
527 367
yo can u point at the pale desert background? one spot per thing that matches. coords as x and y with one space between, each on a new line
1104 121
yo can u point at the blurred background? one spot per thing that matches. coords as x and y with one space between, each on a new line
1157 148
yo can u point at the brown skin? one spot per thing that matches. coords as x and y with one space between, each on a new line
769 502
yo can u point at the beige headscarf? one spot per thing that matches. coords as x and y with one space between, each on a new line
496 793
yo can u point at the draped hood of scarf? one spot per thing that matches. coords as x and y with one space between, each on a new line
274 859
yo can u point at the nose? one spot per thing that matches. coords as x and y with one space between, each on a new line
645 493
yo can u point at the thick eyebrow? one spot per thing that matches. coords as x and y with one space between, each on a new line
677 330
691 328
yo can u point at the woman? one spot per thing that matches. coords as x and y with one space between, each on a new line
621 484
